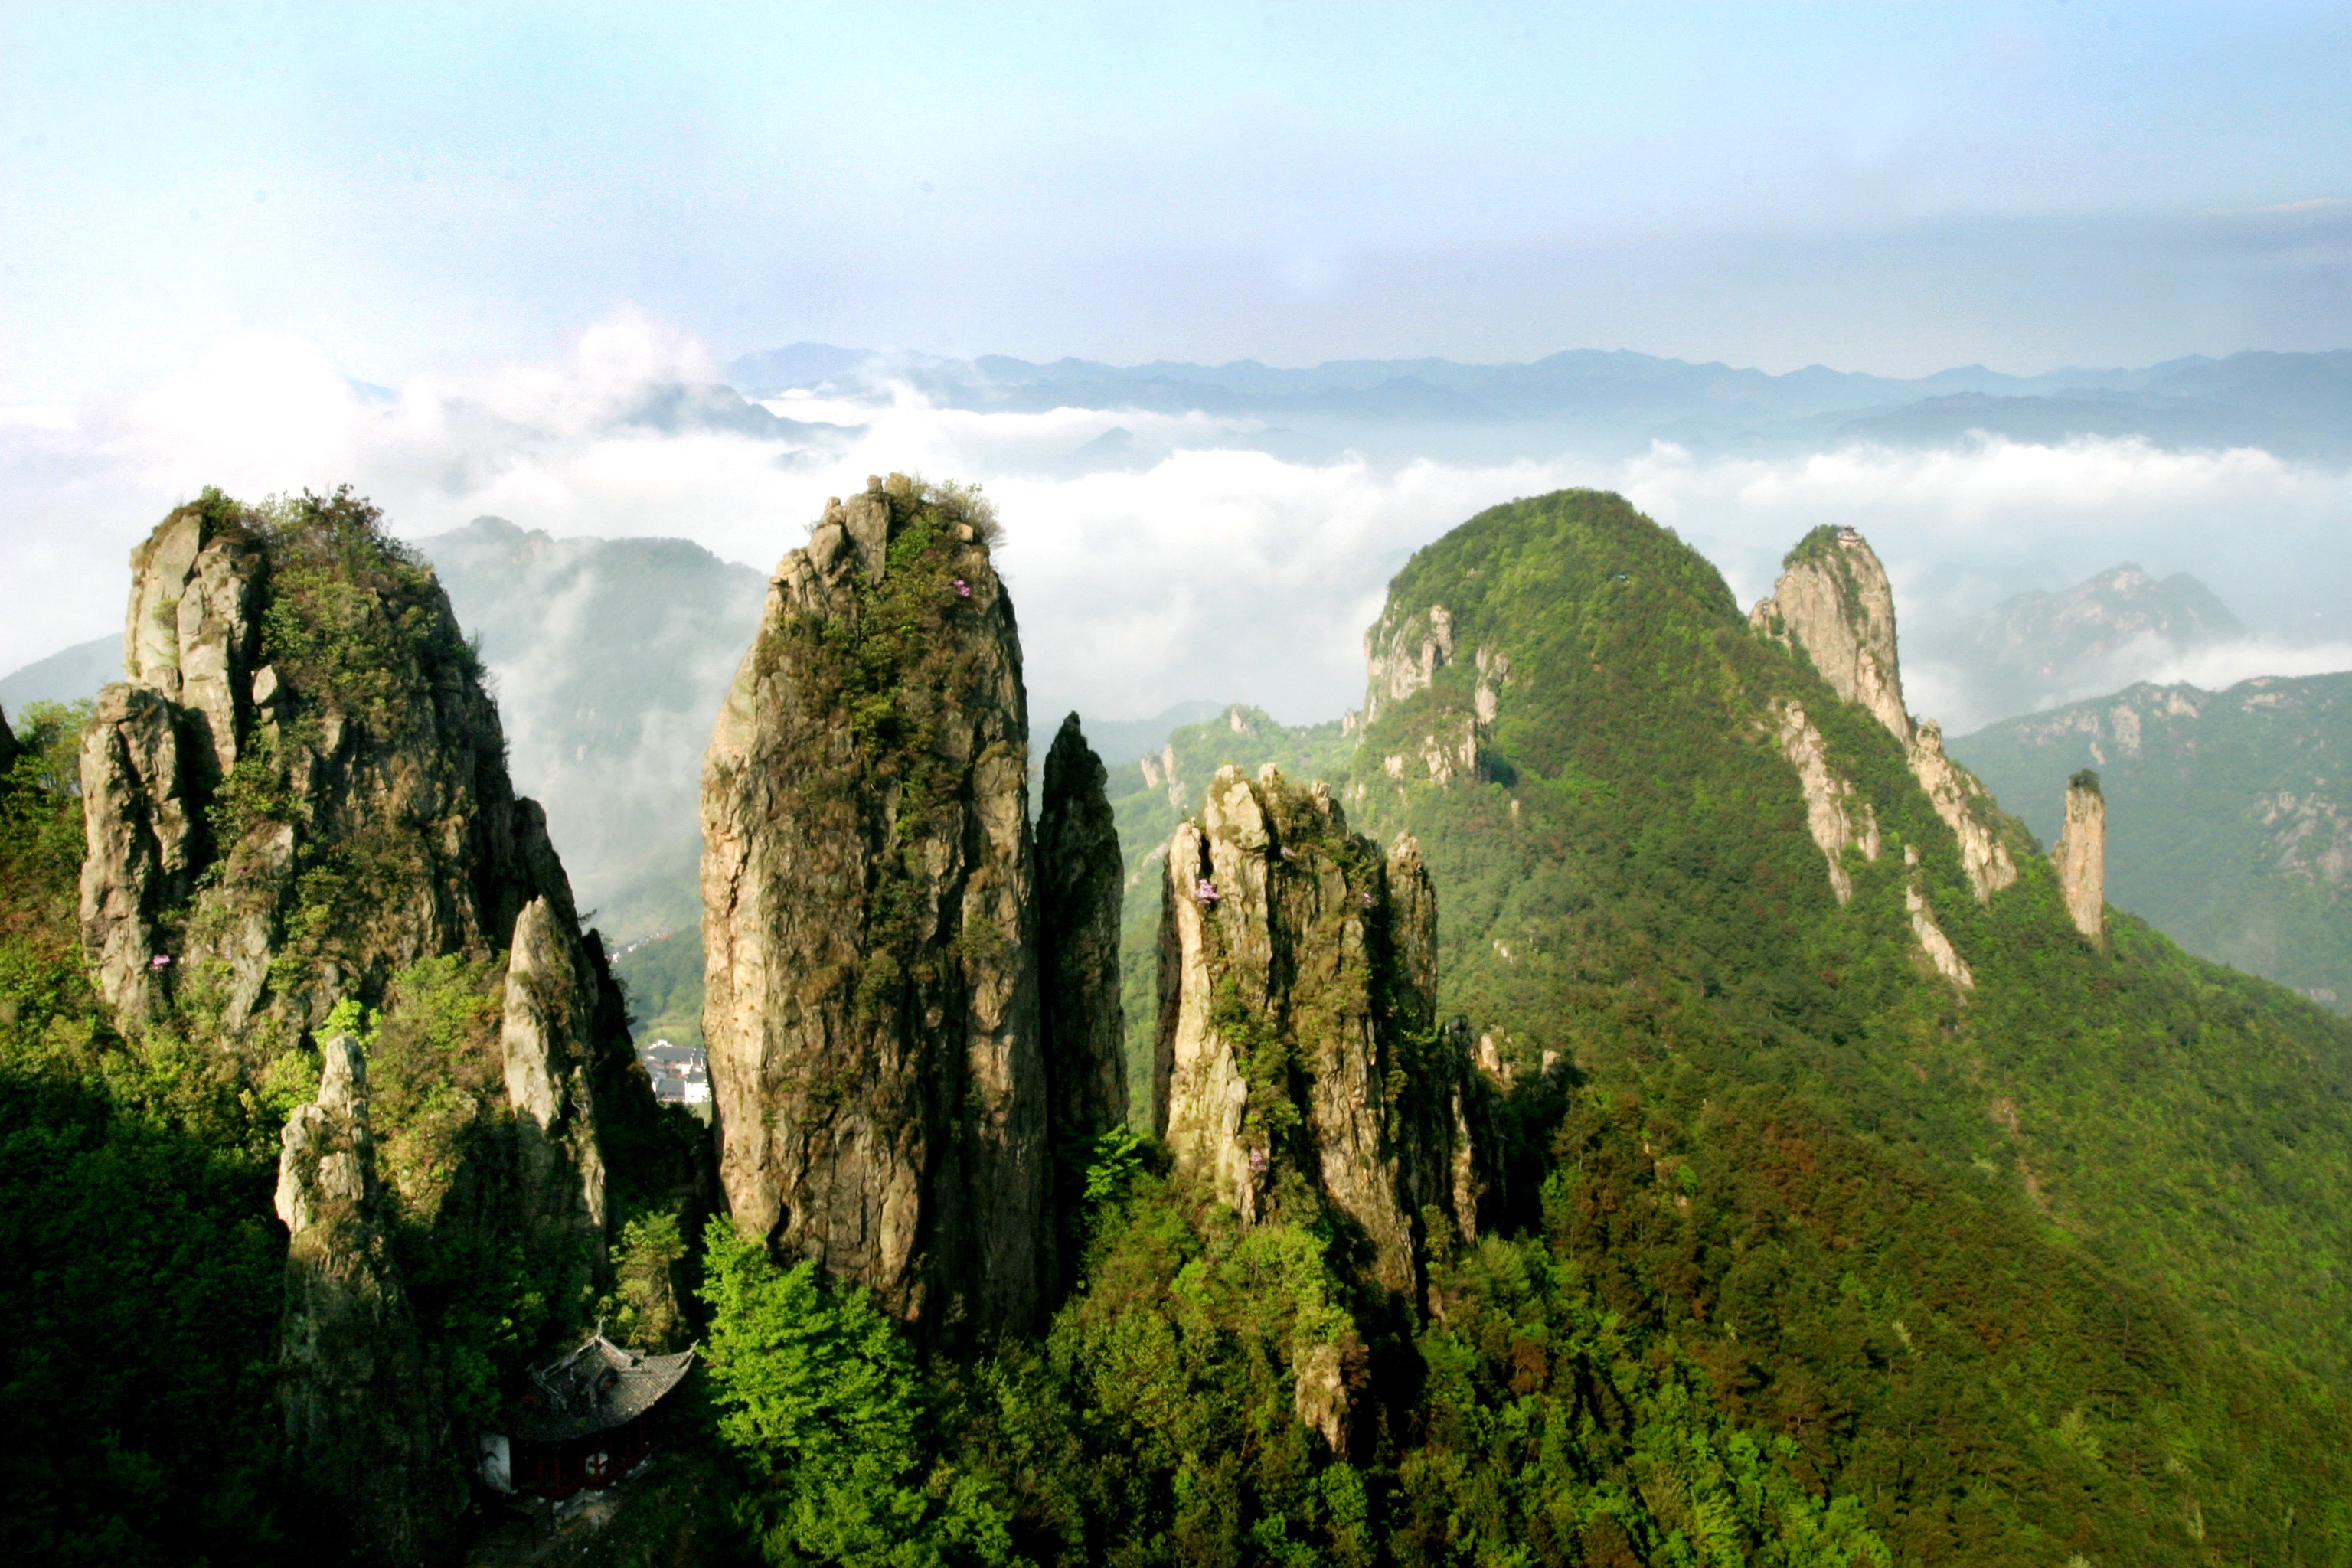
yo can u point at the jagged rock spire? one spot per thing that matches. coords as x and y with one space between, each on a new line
546 1038
367 1435
1297 990
868 918
1080 878
2082 856
1833 602
1833 596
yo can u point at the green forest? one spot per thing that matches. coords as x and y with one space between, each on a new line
1794 1254
2224 829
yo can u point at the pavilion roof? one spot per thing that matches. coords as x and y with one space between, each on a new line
598 1386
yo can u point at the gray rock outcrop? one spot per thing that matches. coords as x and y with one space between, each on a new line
2082 856
1934 945
1295 1038
270 837
1080 882
1837 818
367 1438
1403 656
301 793
547 1040
871 966
1834 598
1834 603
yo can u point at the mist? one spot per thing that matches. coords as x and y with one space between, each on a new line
1208 567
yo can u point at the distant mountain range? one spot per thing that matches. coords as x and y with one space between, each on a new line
2036 650
2295 404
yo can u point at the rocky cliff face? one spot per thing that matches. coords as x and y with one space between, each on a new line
1080 883
301 787
547 1037
300 799
367 1435
1834 603
871 965
1837 817
1834 597
1298 1059
2082 856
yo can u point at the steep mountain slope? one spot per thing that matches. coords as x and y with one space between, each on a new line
2039 1260
2227 814
69 675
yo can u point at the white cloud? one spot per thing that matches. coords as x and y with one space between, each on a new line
1215 571
2224 665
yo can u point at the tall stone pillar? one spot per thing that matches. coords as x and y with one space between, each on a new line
2082 856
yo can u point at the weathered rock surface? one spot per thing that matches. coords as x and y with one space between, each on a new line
266 839
1403 656
1934 945
1834 597
138 822
1834 603
1961 801
2082 856
1080 882
367 1436
275 836
871 965
546 1036
1297 999
1835 817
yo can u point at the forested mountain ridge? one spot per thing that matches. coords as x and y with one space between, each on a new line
2099 1183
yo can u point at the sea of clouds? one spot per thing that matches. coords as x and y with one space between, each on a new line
1217 571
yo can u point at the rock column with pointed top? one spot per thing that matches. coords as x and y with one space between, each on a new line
2082 856
367 752
1298 1002
547 1040
1080 882
367 1434
871 958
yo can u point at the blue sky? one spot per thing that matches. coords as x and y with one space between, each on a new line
1883 188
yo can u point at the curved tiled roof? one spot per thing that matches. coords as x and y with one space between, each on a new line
594 1388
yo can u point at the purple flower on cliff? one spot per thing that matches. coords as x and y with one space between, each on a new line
962 588
1367 899
1258 1162
161 961
1206 892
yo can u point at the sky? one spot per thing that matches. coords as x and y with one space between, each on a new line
442 252
1885 187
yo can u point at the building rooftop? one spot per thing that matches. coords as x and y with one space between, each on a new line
595 1387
